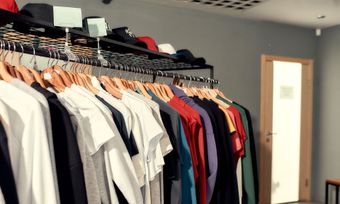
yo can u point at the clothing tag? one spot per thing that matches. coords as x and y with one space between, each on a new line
97 27
67 17
47 76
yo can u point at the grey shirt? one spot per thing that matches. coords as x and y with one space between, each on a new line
172 168
91 183
103 185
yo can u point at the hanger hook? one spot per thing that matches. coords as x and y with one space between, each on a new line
189 81
22 52
33 57
9 49
54 56
84 64
64 66
14 49
49 59
1 47
58 55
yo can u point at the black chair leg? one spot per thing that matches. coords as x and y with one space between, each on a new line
337 195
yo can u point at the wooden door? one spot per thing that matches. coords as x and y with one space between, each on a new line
266 127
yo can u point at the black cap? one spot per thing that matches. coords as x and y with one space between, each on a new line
43 12
38 11
124 34
185 55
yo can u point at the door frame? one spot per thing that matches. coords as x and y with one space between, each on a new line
266 126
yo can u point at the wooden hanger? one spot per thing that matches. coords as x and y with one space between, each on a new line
72 77
110 87
4 73
54 79
168 91
81 79
78 78
18 74
107 80
197 92
220 93
70 73
10 69
64 76
149 86
118 83
26 74
161 91
155 90
134 86
37 77
142 89
89 84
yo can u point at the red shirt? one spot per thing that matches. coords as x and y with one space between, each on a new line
9 5
197 141
187 122
240 130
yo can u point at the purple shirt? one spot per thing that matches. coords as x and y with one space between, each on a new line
209 138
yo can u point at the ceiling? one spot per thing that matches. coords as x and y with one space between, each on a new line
295 12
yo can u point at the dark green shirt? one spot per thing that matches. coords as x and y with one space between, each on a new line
249 196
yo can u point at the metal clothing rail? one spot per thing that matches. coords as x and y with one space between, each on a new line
57 55
40 37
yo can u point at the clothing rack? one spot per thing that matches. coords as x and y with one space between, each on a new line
121 56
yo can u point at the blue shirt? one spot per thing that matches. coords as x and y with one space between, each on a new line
187 173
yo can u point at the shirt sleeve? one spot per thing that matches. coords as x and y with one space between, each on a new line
123 176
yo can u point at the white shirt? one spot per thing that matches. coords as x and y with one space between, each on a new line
2 200
116 103
239 178
97 132
130 122
155 166
148 139
80 127
164 146
47 122
165 143
28 147
101 130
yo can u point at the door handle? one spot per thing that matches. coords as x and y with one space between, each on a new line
269 135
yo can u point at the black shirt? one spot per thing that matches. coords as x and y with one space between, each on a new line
69 166
7 182
118 119
226 189
172 167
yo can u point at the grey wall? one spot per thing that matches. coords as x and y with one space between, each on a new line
233 46
327 99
